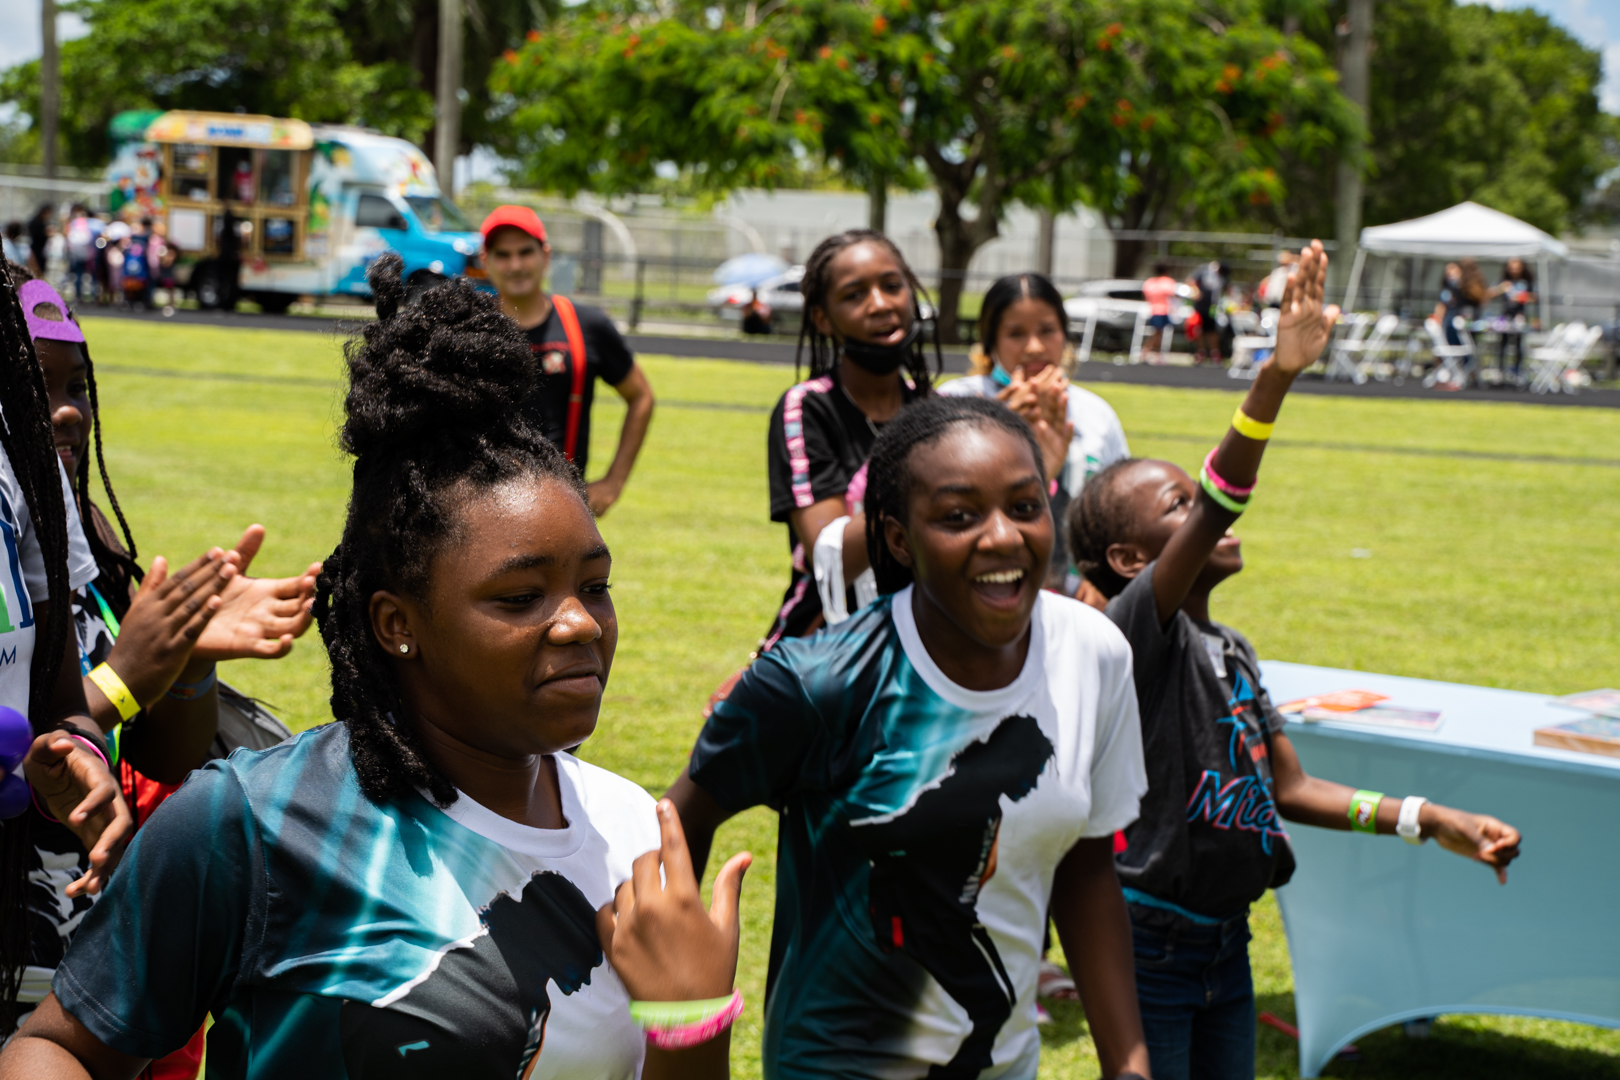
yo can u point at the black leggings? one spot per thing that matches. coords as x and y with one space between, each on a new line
1517 338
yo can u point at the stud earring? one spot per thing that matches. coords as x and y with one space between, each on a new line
404 648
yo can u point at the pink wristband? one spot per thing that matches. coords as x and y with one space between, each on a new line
687 1035
34 795
1215 478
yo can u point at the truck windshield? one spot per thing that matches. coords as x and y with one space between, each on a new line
438 214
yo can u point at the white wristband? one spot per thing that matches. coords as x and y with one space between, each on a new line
1406 827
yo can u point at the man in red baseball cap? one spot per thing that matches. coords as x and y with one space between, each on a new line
574 345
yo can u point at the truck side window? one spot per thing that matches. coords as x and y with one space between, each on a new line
377 212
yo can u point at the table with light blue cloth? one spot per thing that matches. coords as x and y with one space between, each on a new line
1380 931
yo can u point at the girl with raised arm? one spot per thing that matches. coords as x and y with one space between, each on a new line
1222 774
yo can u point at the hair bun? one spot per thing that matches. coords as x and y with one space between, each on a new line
449 359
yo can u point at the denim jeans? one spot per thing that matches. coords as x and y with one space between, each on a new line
1196 995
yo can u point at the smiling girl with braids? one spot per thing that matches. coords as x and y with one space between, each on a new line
949 762
863 324
39 675
432 886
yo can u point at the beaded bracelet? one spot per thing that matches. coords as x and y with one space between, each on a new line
192 691
676 1025
1220 496
1225 485
1249 427
110 684
1363 812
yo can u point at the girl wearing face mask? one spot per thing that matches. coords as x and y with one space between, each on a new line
864 329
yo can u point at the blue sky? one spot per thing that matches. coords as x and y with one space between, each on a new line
1596 22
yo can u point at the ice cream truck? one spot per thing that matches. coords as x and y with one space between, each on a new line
312 204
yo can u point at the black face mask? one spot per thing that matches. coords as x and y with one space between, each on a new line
881 359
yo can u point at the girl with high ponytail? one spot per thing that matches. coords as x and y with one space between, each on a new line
432 886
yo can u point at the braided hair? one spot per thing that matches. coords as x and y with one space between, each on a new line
1097 520
814 286
119 565
433 418
889 477
25 434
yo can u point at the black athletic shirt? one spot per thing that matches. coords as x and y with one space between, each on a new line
607 357
816 449
1209 839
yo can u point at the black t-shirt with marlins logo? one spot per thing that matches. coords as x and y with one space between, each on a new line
607 357
1209 839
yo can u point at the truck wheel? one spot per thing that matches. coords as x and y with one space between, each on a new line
274 303
206 284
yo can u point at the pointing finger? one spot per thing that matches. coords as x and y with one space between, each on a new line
727 891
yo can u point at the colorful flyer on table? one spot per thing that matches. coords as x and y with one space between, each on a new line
1593 735
1338 701
1603 702
1391 716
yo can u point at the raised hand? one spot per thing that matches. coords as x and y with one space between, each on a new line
75 786
1304 324
1043 402
1477 836
165 620
658 938
258 618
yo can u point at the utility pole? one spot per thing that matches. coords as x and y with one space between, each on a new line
1045 242
1353 78
877 202
447 128
50 81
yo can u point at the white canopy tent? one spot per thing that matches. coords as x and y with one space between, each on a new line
1466 230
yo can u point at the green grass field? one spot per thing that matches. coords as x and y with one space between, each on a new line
1490 531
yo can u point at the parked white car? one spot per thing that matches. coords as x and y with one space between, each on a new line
781 293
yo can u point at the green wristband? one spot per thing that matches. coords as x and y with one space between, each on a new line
1363 812
668 1014
1220 496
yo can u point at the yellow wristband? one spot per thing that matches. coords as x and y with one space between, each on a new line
117 693
1248 426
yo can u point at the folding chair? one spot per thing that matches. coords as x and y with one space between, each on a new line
1566 369
1340 354
1354 356
1089 334
1250 350
1547 359
1450 360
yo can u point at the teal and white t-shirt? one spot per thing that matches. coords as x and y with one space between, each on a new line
922 825
333 938
23 580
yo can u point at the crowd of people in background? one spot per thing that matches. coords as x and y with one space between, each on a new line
991 701
95 258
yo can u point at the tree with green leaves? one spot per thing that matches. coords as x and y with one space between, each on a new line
1150 109
1467 102
368 62
281 57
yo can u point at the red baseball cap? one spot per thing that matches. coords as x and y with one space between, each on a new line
519 217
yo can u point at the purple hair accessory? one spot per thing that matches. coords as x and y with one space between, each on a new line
37 292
